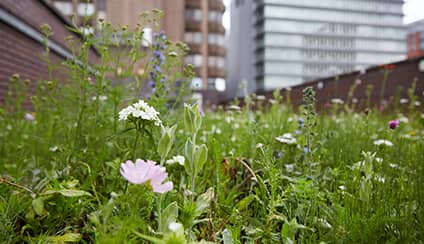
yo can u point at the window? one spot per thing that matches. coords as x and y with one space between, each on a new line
196 83
239 2
216 62
86 9
216 39
196 60
215 16
211 83
193 14
64 7
193 37
331 15
147 37
422 41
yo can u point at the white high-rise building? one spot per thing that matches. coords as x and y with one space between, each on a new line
301 40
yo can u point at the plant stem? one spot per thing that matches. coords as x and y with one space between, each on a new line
138 131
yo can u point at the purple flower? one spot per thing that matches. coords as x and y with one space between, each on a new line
162 35
152 84
393 124
152 74
146 171
157 53
157 68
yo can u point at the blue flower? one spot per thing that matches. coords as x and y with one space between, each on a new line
157 53
300 122
152 84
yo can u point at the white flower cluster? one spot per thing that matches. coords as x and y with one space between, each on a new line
287 138
176 159
383 142
140 110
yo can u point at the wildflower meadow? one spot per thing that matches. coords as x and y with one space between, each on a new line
90 159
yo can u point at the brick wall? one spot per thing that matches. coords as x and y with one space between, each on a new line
21 54
401 75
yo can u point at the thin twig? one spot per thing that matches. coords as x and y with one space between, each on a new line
8 182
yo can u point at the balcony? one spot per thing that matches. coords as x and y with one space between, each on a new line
216 50
215 72
193 26
216 5
194 48
216 28
194 4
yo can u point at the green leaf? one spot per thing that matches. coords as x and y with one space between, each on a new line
285 231
38 206
149 238
192 118
204 200
188 151
68 192
166 141
168 215
227 236
68 237
201 156
244 203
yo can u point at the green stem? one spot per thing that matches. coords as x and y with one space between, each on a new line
138 131
383 85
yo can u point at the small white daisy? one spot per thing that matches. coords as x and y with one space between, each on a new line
176 159
287 138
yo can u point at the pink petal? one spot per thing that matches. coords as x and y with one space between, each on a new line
143 169
132 173
157 175
127 165
168 186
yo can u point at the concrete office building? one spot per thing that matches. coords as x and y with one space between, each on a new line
195 22
416 39
241 51
302 40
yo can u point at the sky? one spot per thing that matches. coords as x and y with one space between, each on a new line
413 10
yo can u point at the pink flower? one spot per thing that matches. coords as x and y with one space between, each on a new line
146 171
393 124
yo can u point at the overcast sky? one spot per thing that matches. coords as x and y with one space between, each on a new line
413 10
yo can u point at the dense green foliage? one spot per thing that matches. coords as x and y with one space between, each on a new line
326 181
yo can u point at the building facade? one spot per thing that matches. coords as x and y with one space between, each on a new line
416 39
241 51
302 40
198 23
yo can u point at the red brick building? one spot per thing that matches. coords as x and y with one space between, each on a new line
21 42
416 39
